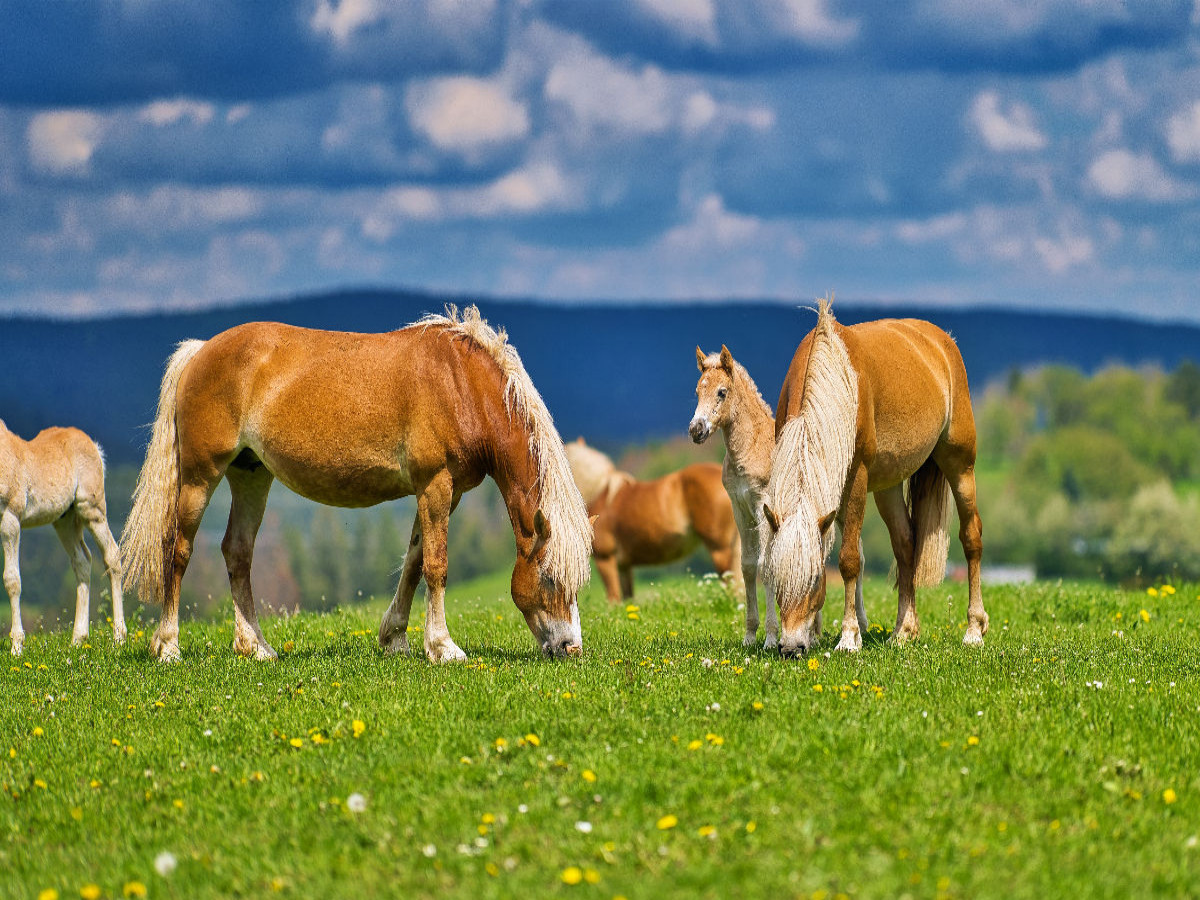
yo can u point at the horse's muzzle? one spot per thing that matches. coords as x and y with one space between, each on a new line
565 648
699 430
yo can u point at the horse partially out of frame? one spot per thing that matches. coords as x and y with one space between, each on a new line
57 479
650 523
863 410
353 420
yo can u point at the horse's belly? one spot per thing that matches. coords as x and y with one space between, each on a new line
348 484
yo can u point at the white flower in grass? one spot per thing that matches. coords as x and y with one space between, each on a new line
584 827
429 850
356 803
165 863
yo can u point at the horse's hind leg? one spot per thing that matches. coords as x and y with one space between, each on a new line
193 500
10 539
433 513
95 518
970 532
69 529
393 628
249 485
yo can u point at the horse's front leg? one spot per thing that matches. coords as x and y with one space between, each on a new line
69 529
433 513
393 627
850 560
10 539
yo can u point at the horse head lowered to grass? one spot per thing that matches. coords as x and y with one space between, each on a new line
353 420
866 409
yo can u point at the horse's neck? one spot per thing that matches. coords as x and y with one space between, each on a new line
750 438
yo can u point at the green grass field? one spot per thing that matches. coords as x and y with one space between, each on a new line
1063 759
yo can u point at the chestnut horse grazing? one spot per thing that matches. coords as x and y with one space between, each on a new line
353 420
728 399
862 410
57 478
649 523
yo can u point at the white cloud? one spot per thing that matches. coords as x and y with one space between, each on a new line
465 115
1005 131
1124 175
340 21
811 21
168 112
63 141
1183 132
1064 252
602 95
693 18
938 228
713 226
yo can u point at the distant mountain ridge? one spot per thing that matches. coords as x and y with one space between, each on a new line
614 373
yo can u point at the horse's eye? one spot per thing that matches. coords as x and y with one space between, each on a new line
721 392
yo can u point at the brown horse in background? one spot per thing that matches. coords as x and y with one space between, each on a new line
57 478
863 410
353 420
650 523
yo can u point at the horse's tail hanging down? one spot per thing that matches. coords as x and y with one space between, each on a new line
148 541
929 506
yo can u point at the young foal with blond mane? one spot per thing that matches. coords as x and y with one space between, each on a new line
727 399
353 420
862 410
57 478
650 523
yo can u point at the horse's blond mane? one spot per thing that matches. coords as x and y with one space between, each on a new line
568 551
742 382
594 472
812 459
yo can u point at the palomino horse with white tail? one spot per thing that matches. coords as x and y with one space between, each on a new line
353 420
862 410
651 523
57 478
728 399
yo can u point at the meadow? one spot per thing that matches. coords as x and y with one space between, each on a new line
1063 757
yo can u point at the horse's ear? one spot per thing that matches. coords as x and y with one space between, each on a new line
772 519
700 357
541 525
592 523
826 521
726 359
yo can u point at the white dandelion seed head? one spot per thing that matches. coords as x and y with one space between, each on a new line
356 803
165 863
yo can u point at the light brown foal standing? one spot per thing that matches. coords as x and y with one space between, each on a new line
353 420
863 410
57 478
651 523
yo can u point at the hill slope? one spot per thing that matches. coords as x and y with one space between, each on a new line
615 373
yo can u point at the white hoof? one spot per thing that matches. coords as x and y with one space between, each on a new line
119 634
973 637
445 652
77 639
265 652
397 644
750 640
771 642
850 642
168 652
18 645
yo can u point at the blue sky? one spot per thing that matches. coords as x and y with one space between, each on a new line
191 153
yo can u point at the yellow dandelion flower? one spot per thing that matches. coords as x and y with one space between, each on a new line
757 706
37 731
492 869
319 739
591 876
1144 614
1168 589
90 892
589 776
631 607
357 727
297 742
289 646
178 804
93 783
716 740
482 829
695 745
572 875
48 894
37 782
1169 796
116 742
134 889
1153 592
465 760
567 695
751 827
667 822
706 830
77 813
973 741
158 704
533 740
12 752
633 616
501 743
813 665
817 688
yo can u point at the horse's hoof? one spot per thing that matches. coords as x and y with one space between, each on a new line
168 653
119 635
750 640
973 637
78 639
448 652
265 652
18 647
771 642
850 643
900 638
396 644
